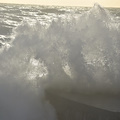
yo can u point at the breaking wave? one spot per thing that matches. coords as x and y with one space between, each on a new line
79 54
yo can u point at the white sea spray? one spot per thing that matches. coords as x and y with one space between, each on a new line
72 54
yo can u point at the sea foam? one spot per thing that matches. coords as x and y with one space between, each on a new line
79 54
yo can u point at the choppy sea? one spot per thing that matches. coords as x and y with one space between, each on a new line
55 47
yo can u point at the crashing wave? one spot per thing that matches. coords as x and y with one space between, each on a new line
80 55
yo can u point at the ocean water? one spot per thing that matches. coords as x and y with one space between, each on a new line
67 49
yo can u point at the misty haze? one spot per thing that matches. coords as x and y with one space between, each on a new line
59 63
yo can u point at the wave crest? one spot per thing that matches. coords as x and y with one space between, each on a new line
75 54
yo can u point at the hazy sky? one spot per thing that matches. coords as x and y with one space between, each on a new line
105 3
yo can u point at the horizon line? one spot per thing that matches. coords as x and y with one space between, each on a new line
58 5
